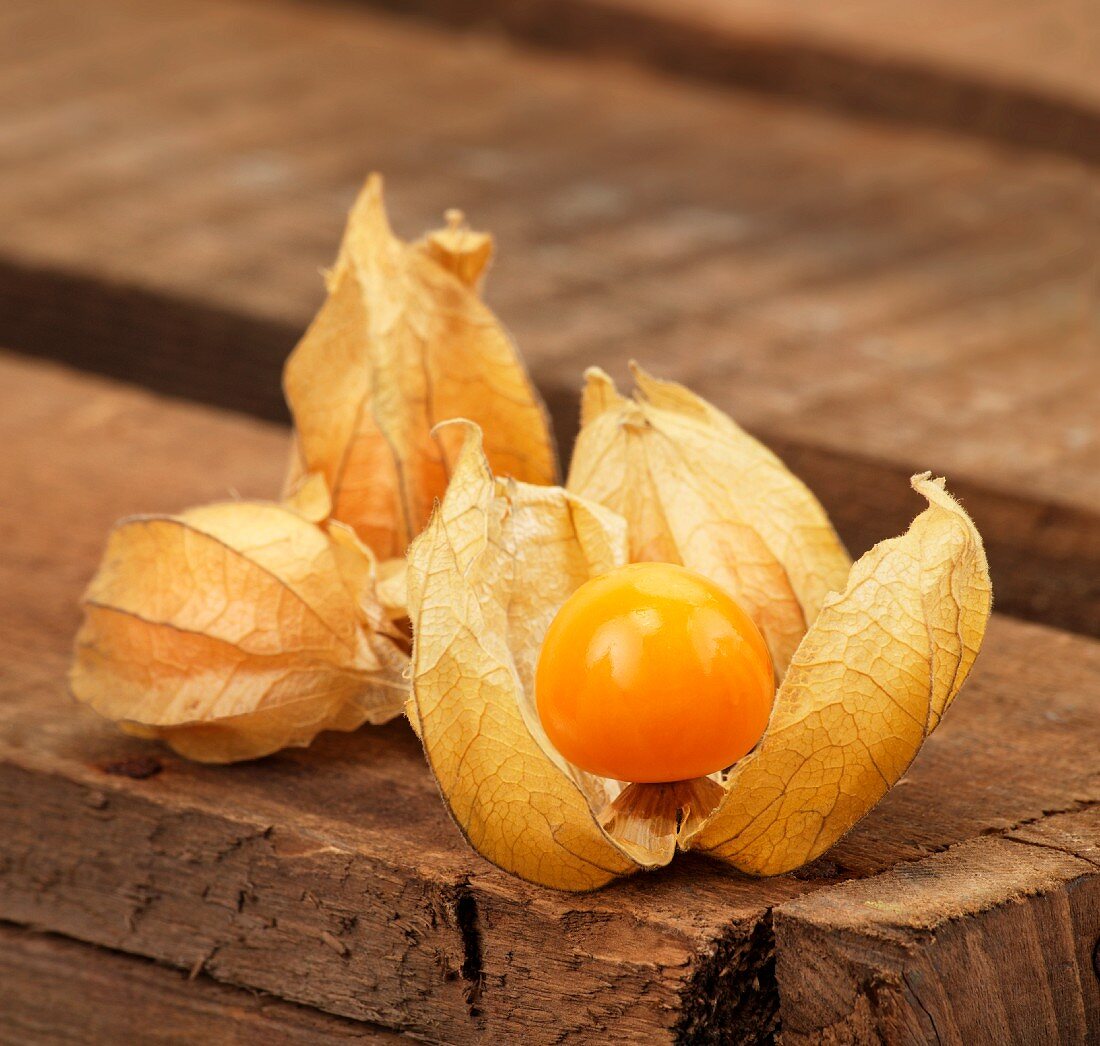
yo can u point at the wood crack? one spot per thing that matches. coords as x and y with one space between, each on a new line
1041 845
733 995
920 1005
468 922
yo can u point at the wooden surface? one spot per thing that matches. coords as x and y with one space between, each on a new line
1016 69
332 877
1015 919
874 301
1050 45
54 990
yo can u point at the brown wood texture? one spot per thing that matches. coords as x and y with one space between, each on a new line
873 300
56 991
332 877
1019 70
1014 920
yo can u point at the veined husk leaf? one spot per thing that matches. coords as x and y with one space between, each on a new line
236 629
401 343
872 678
697 489
869 683
486 577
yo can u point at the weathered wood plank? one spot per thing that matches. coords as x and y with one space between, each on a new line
1017 70
332 876
54 991
875 300
1047 44
990 941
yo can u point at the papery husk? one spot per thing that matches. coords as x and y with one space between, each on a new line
486 577
402 342
869 682
460 249
698 490
236 629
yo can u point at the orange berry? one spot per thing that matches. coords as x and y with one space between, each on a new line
653 673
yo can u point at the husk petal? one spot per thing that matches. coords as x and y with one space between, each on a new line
869 683
698 490
233 630
401 343
486 577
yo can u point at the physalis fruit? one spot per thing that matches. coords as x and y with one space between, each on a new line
652 673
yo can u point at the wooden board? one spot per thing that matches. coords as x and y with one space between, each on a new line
54 990
992 941
332 877
1016 69
874 300
1047 45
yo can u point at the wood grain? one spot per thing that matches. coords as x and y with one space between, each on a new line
990 941
56 991
1014 70
332 877
873 299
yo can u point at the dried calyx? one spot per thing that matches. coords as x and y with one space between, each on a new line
234 630
404 342
871 654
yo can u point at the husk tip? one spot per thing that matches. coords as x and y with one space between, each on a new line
919 479
597 375
471 429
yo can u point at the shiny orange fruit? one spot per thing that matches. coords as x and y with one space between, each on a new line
653 673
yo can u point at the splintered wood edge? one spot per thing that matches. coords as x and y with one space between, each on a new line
893 951
54 989
995 939
422 946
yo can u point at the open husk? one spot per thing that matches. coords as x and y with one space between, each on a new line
879 660
234 630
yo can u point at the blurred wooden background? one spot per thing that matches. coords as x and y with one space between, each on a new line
873 298
868 231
